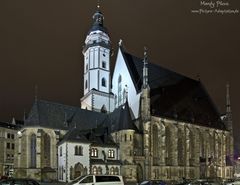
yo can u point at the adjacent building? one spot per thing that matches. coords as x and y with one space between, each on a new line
83 152
8 132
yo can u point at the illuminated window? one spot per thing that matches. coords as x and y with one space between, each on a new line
111 154
94 152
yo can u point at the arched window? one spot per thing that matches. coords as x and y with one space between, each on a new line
33 150
168 144
71 173
111 154
86 67
103 82
80 150
76 150
155 145
103 64
116 171
94 170
180 146
99 170
94 152
86 85
46 150
112 171
119 90
60 151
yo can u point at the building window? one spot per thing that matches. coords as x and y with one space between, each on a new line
13 146
103 82
94 170
8 156
111 171
111 154
46 150
33 150
103 64
119 89
104 54
99 171
86 84
155 145
78 150
12 136
8 135
86 67
8 145
94 152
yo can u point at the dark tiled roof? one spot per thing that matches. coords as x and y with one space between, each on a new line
120 119
10 125
97 137
58 116
174 95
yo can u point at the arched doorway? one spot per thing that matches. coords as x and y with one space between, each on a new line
78 170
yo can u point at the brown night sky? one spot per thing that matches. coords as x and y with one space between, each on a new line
41 43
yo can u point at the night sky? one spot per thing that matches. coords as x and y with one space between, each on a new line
41 44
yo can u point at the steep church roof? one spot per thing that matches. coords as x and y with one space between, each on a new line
58 116
174 95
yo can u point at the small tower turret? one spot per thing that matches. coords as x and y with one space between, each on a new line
228 109
145 96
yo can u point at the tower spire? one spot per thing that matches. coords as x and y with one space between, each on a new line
228 109
145 69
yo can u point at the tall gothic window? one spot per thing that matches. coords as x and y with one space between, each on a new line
104 64
168 144
33 150
119 90
155 145
46 150
180 146
103 82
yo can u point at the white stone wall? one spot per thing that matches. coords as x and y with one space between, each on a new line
133 97
69 159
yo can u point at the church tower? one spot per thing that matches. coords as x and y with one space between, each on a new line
97 51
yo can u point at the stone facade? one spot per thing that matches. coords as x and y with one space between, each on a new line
36 153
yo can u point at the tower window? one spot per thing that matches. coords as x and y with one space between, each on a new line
104 54
103 82
86 67
86 84
103 64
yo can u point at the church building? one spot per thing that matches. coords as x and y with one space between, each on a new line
146 122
